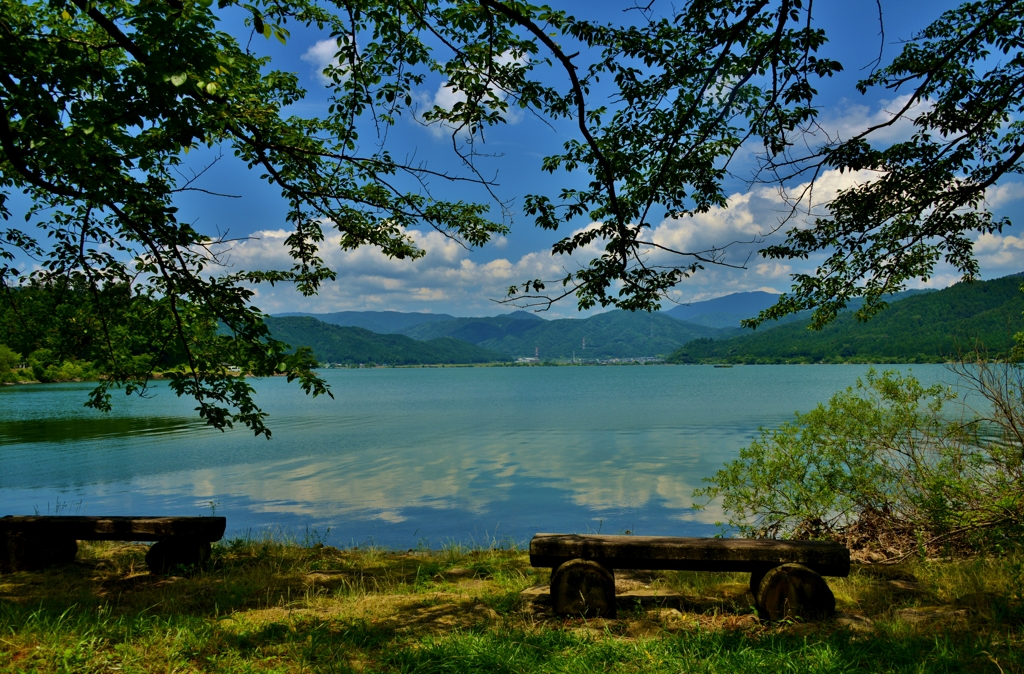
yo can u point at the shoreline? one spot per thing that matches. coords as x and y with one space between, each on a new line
160 377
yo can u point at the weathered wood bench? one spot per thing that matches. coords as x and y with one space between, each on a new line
29 543
785 576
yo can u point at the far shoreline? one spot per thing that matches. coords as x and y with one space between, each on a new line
438 366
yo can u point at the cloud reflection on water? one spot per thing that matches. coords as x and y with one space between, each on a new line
439 454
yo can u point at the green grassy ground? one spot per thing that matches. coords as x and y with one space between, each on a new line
265 606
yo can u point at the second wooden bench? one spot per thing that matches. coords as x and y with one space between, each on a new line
33 542
785 576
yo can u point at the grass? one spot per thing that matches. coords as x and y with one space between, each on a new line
268 606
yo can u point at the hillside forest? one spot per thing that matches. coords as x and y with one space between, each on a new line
44 337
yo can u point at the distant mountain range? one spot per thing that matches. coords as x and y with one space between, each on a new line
614 334
522 334
729 310
921 327
348 345
382 322
724 312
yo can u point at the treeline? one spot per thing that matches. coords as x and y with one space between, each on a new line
927 328
42 366
55 332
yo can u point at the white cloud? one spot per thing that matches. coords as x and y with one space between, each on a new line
444 280
998 196
996 251
849 119
773 270
450 279
322 56
752 218
447 96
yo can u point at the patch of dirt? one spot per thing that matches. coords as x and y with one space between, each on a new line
931 614
725 621
459 573
854 622
592 627
648 598
667 615
643 629
623 585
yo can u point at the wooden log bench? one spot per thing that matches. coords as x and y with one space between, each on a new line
785 576
29 543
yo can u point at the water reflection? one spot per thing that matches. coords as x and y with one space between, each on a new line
407 455
58 430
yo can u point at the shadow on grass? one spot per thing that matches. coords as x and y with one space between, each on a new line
242 576
378 649
700 651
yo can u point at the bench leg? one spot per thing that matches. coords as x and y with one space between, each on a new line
583 587
755 579
794 591
22 553
164 555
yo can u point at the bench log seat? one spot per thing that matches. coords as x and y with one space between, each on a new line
785 576
36 541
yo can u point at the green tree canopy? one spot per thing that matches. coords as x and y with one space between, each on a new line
966 73
102 98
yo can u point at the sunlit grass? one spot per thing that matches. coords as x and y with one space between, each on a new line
272 606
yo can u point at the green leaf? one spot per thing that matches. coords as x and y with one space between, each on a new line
178 79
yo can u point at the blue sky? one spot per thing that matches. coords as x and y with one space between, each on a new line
450 279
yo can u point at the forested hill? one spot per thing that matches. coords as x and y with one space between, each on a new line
924 328
383 322
727 311
353 346
614 334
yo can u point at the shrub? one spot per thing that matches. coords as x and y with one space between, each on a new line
42 360
9 360
886 469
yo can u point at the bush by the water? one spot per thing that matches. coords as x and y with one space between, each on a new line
42 365
886 468
9 361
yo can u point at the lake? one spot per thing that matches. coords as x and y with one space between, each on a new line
407 457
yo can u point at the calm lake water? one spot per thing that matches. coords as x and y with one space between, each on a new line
403 457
